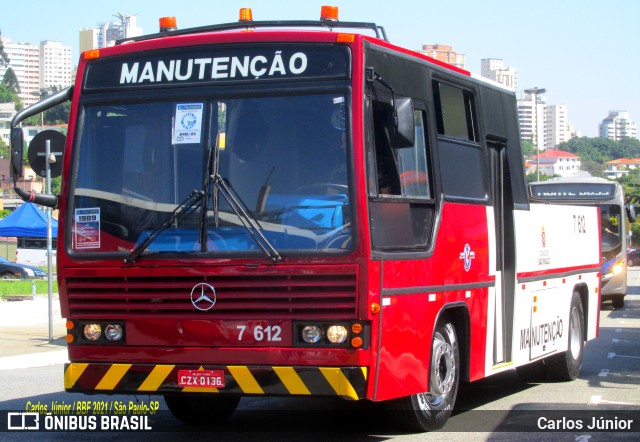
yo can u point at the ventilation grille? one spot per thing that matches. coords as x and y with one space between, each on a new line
287 294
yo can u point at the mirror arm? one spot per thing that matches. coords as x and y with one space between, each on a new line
37 198
41 106
373 76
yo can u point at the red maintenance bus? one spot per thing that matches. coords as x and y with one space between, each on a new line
302 208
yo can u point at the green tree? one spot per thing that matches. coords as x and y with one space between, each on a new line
4 59
11 81
528 149
631 185
4 149
58 114
601 150
7 95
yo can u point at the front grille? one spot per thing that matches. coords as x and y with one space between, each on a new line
287 293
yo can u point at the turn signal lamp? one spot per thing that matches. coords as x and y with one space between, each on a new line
90 55
168 24
345 38
246 14
329 13
375 308
356 342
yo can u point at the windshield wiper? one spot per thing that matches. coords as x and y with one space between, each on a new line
186 207
248 221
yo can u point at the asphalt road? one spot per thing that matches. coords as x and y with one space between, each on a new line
498 408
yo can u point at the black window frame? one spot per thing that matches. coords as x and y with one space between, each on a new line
461 160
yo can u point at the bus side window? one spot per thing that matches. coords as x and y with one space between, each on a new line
401 208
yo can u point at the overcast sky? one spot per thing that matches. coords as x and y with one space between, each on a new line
585 53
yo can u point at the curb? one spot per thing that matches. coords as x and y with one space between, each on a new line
33 360
20 297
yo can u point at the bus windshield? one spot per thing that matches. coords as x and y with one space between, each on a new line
283 157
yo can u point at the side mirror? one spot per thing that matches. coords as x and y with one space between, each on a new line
404 132
37 152
631 213
17 155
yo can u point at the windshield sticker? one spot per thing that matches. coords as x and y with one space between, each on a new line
87 228
188 123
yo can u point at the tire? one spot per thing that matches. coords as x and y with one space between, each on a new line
618 301
6 276
566 366
201 409
430 410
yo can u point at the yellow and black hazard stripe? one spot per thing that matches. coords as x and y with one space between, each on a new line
346 382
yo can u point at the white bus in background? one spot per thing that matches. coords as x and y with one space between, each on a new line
33 250
609 197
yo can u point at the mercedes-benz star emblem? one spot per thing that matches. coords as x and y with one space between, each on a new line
203 296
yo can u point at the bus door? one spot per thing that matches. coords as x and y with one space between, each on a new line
502 197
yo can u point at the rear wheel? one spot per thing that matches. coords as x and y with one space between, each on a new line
566 366
430 410
201 409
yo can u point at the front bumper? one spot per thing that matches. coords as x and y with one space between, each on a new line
345 382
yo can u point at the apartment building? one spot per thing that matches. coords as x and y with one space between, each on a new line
443 53
495 69
545 125
55 64
106 34
618 125
25 63
38 66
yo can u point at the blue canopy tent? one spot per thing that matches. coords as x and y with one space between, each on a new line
28 220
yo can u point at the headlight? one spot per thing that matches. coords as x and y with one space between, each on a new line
92 332
29 272
113 332
331 334
617 268
311 334
337 334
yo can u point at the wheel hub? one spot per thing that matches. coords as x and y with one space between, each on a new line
443 369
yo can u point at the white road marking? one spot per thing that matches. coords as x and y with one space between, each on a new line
619 330
597 400
613 355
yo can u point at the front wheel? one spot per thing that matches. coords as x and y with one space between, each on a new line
566 366
201 409
430 410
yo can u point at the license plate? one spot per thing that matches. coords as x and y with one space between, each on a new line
201 378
